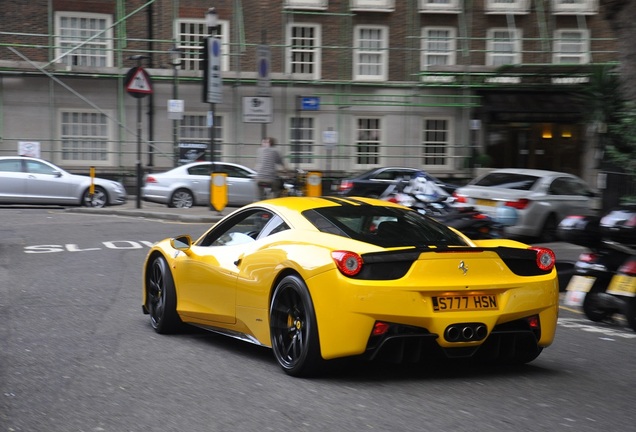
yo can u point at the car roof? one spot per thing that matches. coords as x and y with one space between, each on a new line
292 207
530 171
197 163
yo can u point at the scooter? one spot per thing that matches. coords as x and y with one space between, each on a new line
431 200
604 279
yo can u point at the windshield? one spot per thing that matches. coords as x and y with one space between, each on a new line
508 181
383 226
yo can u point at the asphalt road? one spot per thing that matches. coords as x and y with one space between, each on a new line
77 354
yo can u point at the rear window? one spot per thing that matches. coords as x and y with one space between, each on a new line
508 181
383 226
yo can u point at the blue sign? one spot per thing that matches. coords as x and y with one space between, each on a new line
310 103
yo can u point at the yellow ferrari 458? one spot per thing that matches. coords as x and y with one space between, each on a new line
324 278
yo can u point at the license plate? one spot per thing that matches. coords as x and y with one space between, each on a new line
485 202
622 285
580 283
471 302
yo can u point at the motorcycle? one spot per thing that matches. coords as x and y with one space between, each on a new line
604 279
429 199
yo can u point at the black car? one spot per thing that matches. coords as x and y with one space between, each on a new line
374 182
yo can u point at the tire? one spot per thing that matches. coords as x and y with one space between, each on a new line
99 199
161 297
592 310
548 233
293 328
630 313
181 198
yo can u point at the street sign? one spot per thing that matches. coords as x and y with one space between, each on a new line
212 78
175 109
257 109
310 103
264 84
138 82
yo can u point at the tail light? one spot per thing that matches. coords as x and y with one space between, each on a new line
588 257
151 179
545 258
345 186
628 268
349 263
519 204
480 216
380 328
459 198
631 222
533 322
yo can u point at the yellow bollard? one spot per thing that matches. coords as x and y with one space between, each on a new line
314 184
218 190
91 189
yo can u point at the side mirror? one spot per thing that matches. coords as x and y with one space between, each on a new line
182 243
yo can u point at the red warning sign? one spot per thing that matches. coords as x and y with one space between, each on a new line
138 82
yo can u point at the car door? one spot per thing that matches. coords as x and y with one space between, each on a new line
12 181
198 181
570 196
241 185
206 278
46 184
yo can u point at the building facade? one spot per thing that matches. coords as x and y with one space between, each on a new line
344 85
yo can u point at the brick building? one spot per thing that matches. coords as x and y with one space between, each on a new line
344 85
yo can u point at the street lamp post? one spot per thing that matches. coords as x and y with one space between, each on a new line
212 22
139 168
175 60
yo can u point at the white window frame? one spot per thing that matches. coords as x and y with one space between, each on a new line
308 142
191 44
204 128
427 51
439 6
446 144
82 46
493 45
583 53
306 4
81 133
373 5
574 7
361 53
358 140
518 7
314 51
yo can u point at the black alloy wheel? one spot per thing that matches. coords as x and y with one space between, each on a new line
98 200
161 298
293 328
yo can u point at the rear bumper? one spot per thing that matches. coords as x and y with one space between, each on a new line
355 310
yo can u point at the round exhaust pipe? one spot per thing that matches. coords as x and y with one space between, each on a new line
466 332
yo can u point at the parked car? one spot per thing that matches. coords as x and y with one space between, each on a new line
189 184
27 180
318 279
542 199
374 182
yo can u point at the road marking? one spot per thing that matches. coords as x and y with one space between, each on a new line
73 247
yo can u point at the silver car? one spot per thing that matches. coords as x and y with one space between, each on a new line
541 198
25 180
188 185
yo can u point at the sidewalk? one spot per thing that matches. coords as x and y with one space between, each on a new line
196 214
